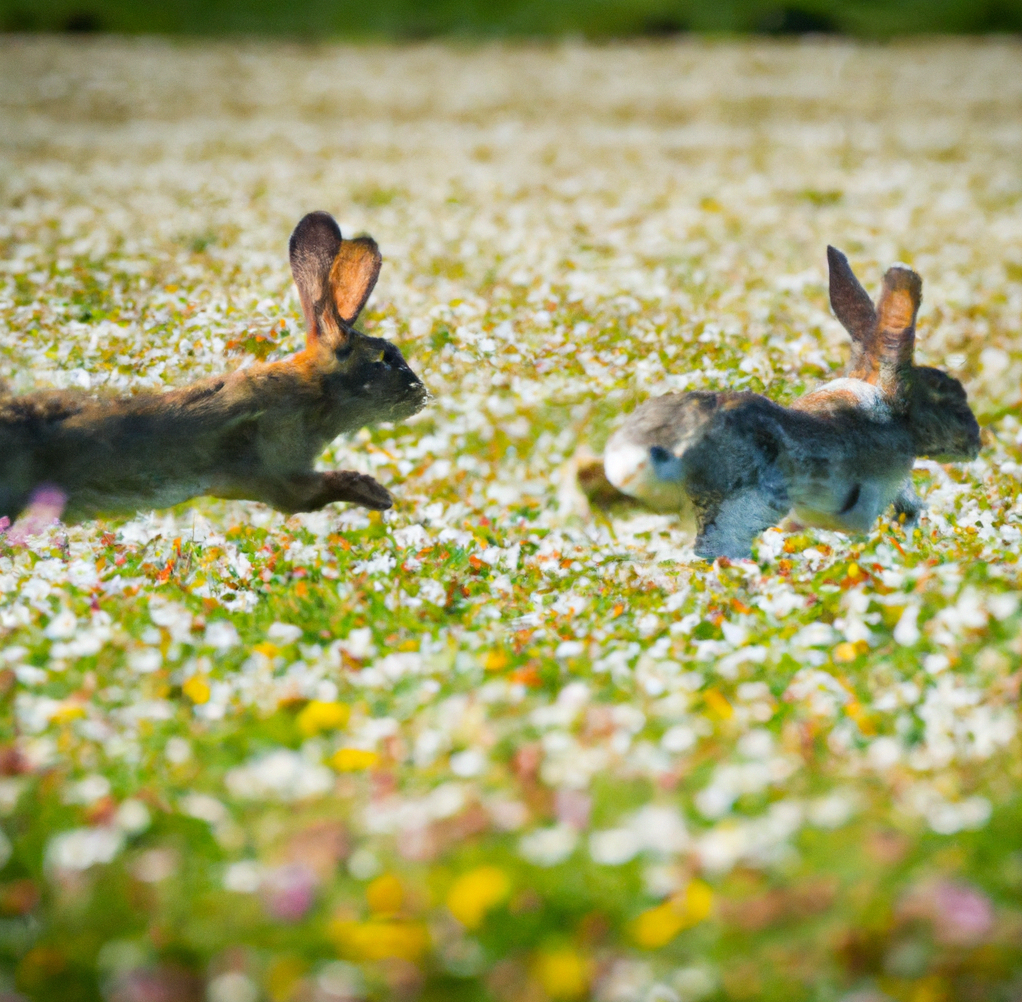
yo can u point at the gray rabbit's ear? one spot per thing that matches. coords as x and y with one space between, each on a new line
849 300
896 324
353 275
313 247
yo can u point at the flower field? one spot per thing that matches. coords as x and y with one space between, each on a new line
492 744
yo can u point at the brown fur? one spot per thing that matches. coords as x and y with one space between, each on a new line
252 434
883 337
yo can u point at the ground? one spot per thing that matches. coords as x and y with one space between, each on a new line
491 744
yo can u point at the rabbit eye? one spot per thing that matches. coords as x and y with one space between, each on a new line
382 355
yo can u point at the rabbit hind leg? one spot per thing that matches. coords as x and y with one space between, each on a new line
728 528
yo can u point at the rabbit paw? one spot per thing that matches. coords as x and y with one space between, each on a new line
356 488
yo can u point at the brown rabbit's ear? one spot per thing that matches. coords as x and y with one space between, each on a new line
353 275
849 300
896 324
313 246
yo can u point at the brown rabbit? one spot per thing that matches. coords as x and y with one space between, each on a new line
252 434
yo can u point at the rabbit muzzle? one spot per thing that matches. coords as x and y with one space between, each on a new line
942 423
383 382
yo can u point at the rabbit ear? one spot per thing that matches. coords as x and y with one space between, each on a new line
353 276
896 325
849 300
313 246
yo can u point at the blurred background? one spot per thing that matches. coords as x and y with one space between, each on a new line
412 19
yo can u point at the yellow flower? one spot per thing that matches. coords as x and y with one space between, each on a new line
353 759
319 716
563 973
474 893
69 711
495 660
845 652
385 894
378 939
658 926
196 689
283 976
716 702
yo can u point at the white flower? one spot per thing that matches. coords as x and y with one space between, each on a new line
906 632
359 643
232 987
145 660
412 537
432 591
82 574
284 633
833 810
173 617
82 848
280 775
62 626
470 762
87 790
178 751
204 807
221 635
244 877
548 846
614 846
678 739
133 817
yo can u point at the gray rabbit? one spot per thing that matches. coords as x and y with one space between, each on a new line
733 464
251 434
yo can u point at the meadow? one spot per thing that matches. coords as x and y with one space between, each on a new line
495 744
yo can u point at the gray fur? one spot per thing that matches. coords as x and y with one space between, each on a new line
737 463
252 434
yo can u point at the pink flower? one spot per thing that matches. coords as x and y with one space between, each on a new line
961 915
45 507
289 892
573 808
156 984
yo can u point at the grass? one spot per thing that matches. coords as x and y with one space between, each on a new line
490 745
402 19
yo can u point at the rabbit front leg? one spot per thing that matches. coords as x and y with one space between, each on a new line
908 503
861 509
313 491
727 529
310 491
